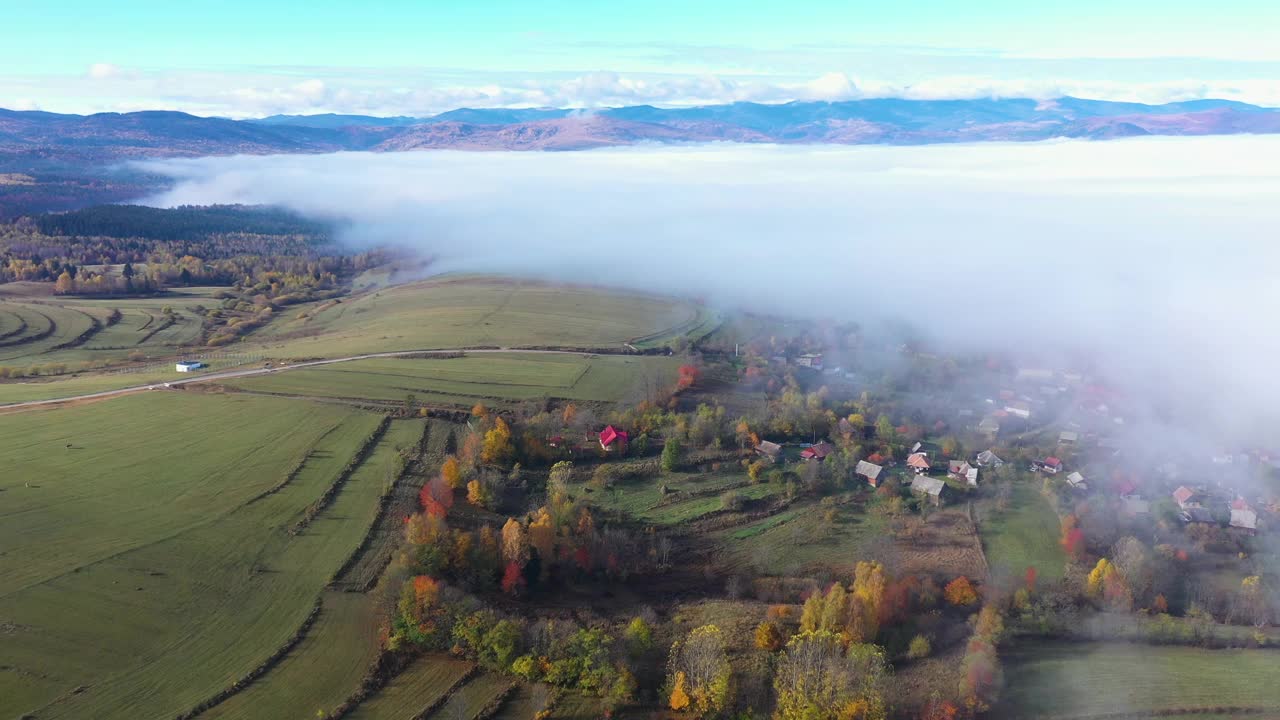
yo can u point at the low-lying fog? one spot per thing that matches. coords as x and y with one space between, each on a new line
1158 255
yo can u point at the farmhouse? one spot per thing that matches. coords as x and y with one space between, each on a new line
189 365
931 488
810 360
1068 437
989 426
846 427
989 457
1186 497
611 438
818 452
919 462
1135 506
1244 519
869 471
1050 465
963 471
1019 408
1076 480
770 450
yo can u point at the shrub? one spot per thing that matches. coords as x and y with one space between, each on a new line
731 500
769 636
919 648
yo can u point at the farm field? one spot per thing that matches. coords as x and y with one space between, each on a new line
524 702
422 684
317 674
792 541
1079 679
456 312
126 572
74 331
641 498
1023 535
492 377
474 696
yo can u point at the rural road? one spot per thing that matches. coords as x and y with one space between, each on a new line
230 374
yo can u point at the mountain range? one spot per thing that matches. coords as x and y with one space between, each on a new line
115 136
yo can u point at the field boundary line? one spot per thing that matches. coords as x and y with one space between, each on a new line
453 689
273 660
496 703
326 498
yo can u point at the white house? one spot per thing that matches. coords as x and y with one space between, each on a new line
189 365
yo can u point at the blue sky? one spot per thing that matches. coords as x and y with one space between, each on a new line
241 57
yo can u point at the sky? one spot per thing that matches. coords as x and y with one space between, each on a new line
247 58
1155 255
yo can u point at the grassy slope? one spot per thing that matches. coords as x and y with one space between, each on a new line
413 690
320 672
472 697
1088 679
1024 535
327 665
204 586
805 539
462 312
466 379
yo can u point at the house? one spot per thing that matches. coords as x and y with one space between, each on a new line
1020 408
963 471
1186 497
846 427
931 488
1197 515
770 450
919 462
989 457
869 471
555 441
612 438
989 426
189 365
817 452
1051 465
1244 519
810 360
1076 480
915 448
1067 437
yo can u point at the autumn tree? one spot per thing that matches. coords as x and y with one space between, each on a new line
497 449
703 663
515 544
769 636
818 679
960 592
868 593
479 493
451 472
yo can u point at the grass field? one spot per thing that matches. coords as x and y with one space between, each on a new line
643 498
1024 535
147 565
73 331
472 311
797 539
1078 679
493 377
471 698
317 674
414 690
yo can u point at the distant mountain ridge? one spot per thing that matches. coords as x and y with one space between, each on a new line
114 136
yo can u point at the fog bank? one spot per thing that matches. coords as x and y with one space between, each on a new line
1157 254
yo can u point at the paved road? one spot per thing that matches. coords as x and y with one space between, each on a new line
230 374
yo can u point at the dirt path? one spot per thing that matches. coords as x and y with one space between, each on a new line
231 374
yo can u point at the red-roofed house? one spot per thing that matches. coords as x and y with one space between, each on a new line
1050 465
817 452
611 438
1125 488
1186 497
918 462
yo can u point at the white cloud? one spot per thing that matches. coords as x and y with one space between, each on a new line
1155 255
410 92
